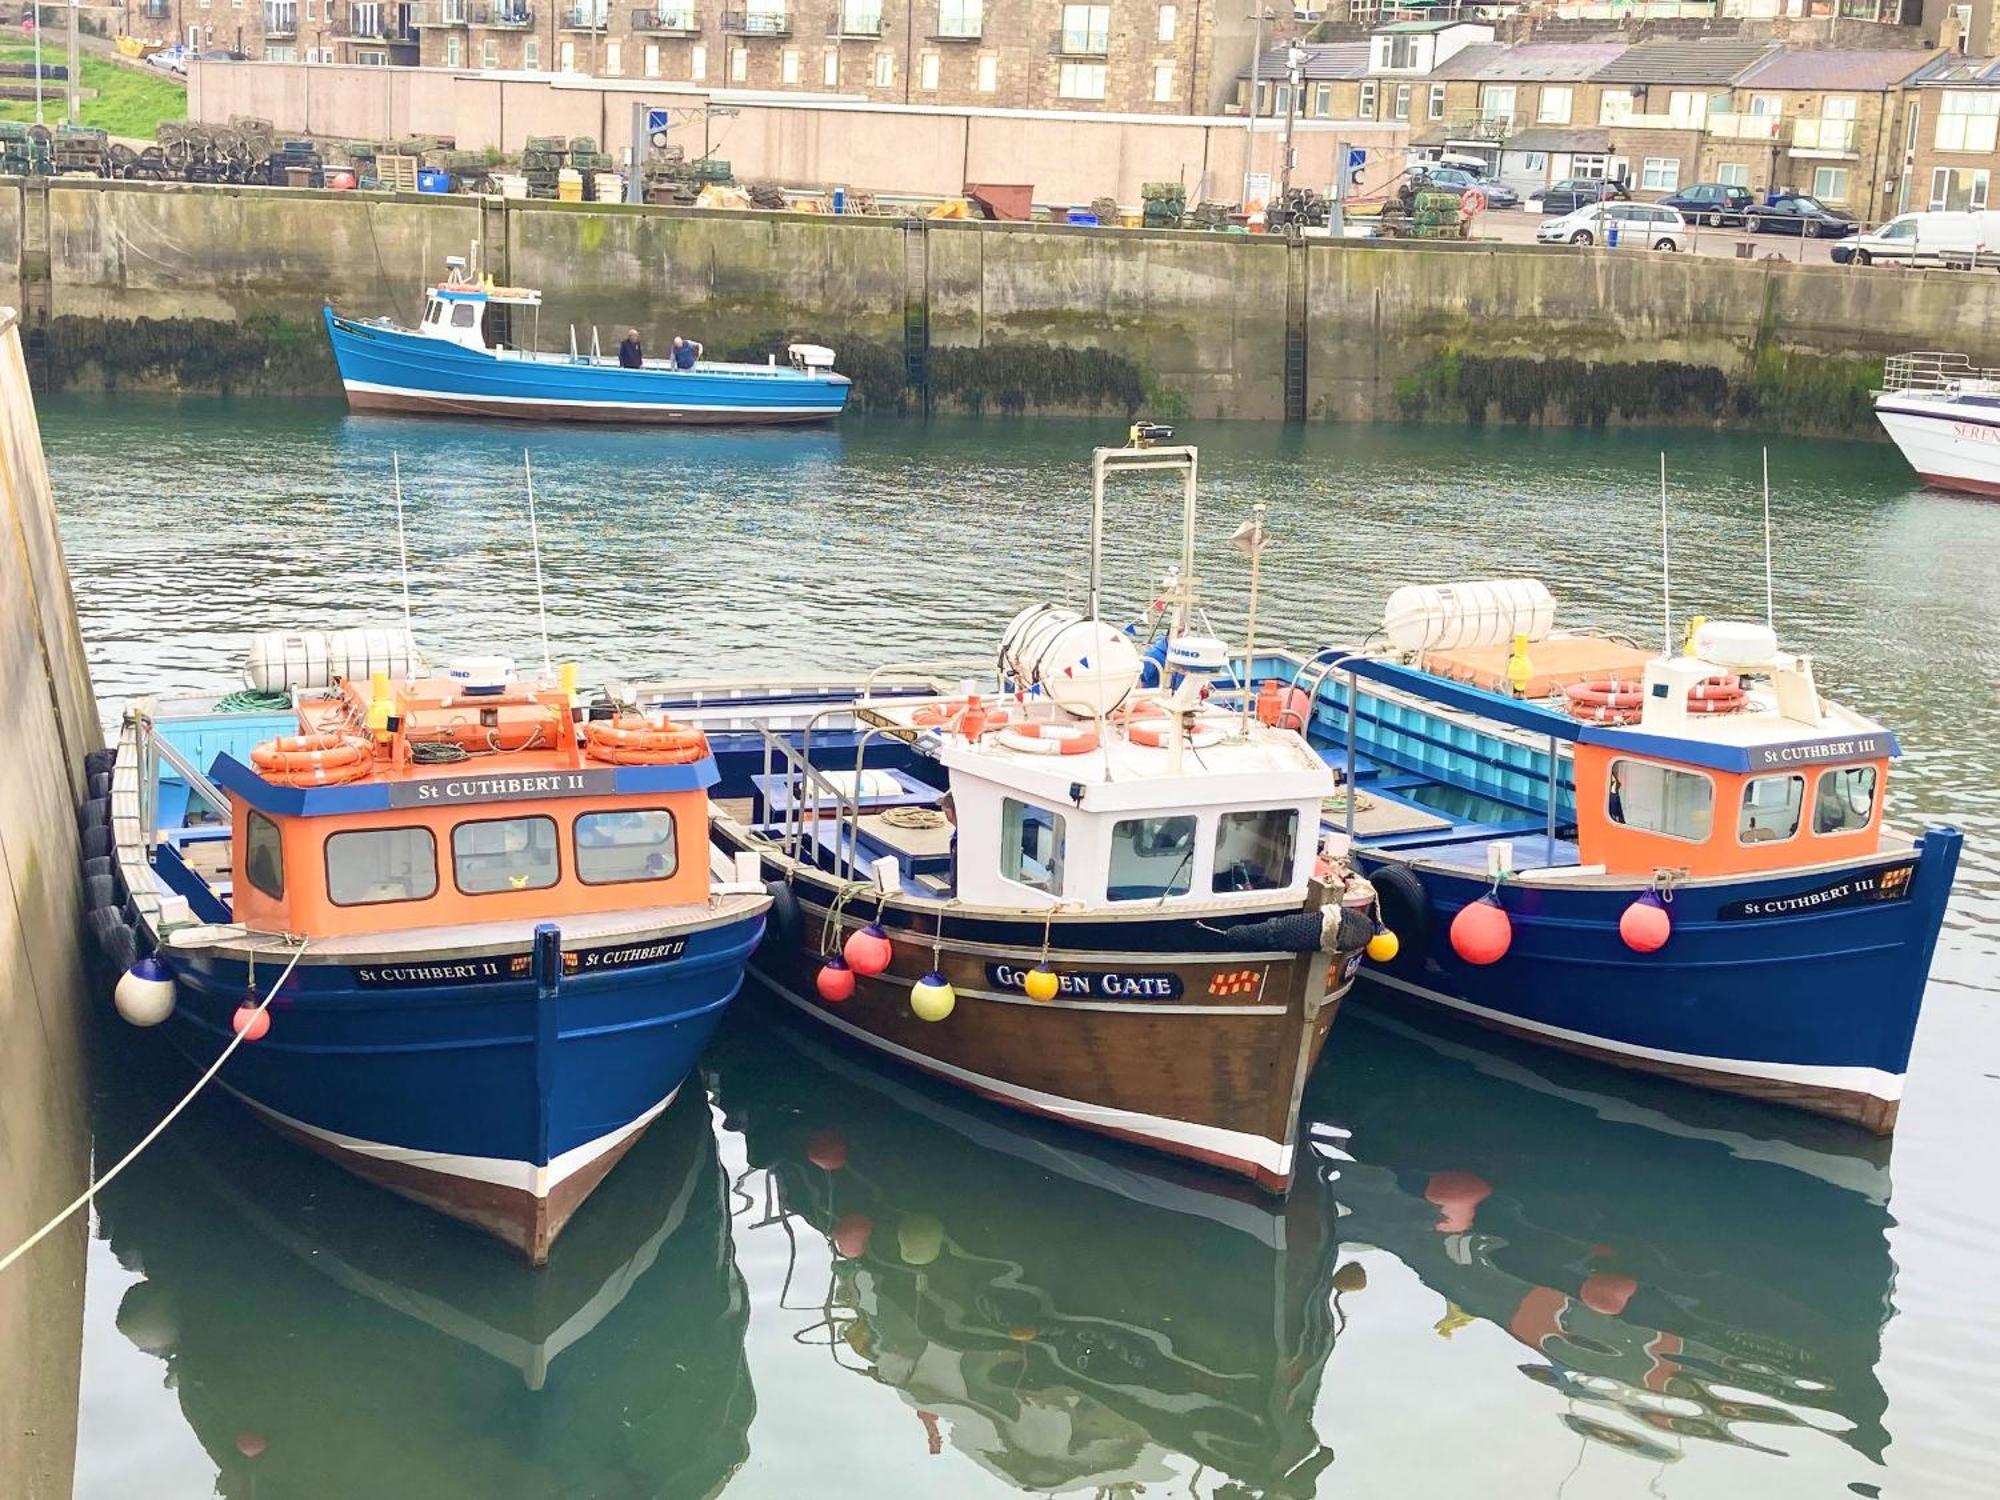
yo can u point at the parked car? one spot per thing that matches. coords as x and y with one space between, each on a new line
1640 226
1574 192
1716 203
1926 239
1459 180
1796 213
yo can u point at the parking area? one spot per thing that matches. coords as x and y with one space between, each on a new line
1516 226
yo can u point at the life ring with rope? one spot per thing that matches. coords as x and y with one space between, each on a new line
1472 202
313 759
1046 737
633 740
1148 723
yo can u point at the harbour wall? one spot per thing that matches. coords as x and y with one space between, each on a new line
197 288
44 1099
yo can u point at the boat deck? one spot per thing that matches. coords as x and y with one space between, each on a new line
1393 816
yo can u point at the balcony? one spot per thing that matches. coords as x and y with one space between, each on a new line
959 22
1823 138
157 10
434 15
667 22
366 22
1746 127
504 17
1080 43
281 20
1638 121
586 18
854 23
757 22
1479 128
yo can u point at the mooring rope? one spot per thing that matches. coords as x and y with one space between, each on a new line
91 1192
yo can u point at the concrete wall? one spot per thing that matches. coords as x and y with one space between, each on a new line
44 1124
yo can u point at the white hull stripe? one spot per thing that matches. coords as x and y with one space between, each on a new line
1871 1081
522 1176
369 387
1233 1145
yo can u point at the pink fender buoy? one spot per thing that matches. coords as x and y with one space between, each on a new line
851 1234
1457 1196
250 1444
250 1023
1607 1292
1645 925
868 950
836 981
1482 932
827 1150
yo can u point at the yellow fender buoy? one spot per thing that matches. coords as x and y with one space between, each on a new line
932 998
1040 983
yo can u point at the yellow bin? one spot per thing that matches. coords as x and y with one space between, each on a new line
569 185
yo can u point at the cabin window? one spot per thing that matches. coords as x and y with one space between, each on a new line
1031 846
432 313
614 847
1845 801
1659 799
1771 807
463 314
368 866
1255 851
505 854
1151 857
264 856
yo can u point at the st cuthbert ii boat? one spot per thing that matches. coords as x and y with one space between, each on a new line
462 360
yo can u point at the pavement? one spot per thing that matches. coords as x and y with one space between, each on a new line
1516 226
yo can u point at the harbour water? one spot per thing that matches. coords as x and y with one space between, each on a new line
1508 1271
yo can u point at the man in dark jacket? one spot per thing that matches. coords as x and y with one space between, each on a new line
630 355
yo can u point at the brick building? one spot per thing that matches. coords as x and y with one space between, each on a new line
1948 137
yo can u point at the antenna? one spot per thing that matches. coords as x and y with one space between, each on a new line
1666 568
1770 618
535 539
402 549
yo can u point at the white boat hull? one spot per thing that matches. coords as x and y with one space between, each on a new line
1951 444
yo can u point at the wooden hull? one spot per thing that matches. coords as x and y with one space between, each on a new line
1208 1067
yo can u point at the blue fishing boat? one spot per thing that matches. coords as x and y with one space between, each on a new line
461 360
473 946
1677 863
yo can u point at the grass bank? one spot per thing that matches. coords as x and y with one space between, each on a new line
128 101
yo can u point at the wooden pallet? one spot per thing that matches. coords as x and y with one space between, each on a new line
397 174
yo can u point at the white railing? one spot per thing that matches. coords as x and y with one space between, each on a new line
1745 127
1933 370
1823 135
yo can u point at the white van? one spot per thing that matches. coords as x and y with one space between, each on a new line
1927 239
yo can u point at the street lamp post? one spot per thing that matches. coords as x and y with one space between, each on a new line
1256 83
1295 57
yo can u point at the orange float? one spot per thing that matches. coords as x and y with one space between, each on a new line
632 740
313 759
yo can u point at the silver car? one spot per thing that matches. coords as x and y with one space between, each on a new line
1638 226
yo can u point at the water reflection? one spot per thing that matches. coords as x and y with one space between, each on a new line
1679 1272
324 1338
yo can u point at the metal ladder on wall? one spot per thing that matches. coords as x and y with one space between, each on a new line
916 310
1295 330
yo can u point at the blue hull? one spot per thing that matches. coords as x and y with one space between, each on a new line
384 368
486 1099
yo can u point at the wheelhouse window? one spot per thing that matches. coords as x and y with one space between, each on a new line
1031 846
615 847
1771 807
1658 799
369 866
1845 800
1256 851
264 856
505 854
463 314
1151 857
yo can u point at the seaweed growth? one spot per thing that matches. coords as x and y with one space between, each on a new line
263 354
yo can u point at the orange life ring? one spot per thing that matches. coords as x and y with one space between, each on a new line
313 759
1153 736
1046 737
1605 700
1472 202
633 740
949 713
1721 694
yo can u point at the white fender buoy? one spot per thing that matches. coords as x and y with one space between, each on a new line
145 993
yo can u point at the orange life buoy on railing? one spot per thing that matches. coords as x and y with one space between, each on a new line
1046 737
1606 700
1473 202
633 740
970 716
313 759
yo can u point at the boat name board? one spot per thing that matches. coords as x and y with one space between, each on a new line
1113 984
1891 884
1815 752
502 966
443 791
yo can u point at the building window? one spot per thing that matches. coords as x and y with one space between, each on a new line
1170 16
264 856
1437 101
291 54
1687 108
1367 110
885 70
989 73
368 866
1402 101
1255 851
531 52
505 854
652 59
489 53
615 847
454 52
927 72
1322 101
1086 30
1968 121
961 18
1771 806
1733 174
1614 107
1496 102
1163 83
1830 184
1284 109
614 57
1081 81
698 62
788 65
1958 188
1031 846
1658 799
829 69
566 58
1553 107
739 64
1151 857
1660 174
1766 106
371 59
1845 801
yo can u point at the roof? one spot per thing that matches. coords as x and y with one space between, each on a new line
1404 28
1959 72
1554 62
1323 61
1837 68
1559 138
1713 62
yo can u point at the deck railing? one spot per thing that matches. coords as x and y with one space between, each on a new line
1935 370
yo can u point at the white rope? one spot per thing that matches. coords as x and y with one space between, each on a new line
152 1135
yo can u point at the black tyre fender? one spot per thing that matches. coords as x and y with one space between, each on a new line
113 938
96 813
1406 910
96 841
99 762
786 924
100 783
101 891
102 864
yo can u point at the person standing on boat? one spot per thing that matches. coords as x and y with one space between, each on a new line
630 354
686 352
